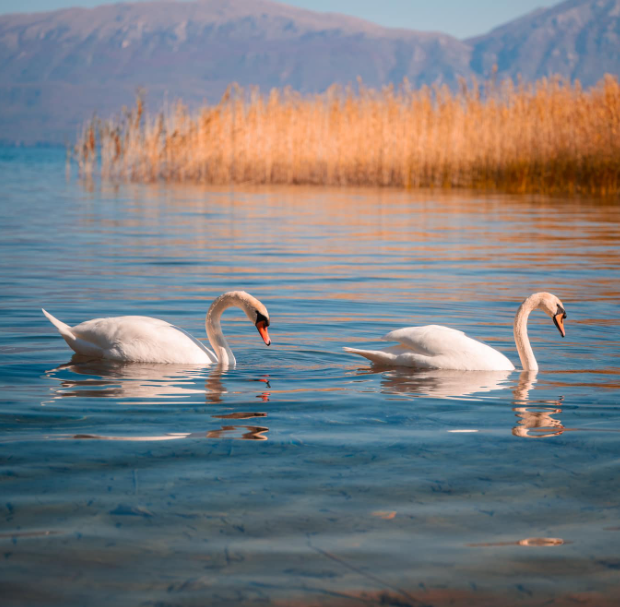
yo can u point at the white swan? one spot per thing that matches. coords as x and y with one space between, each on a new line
150 340
435 347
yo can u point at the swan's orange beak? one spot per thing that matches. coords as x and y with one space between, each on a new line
261 325
558 320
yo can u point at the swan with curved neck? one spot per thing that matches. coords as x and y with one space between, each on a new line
436 347
150 340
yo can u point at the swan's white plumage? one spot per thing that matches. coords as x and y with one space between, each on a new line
134 338
436 347
143 339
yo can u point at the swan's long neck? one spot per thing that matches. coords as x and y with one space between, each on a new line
526 354
217 340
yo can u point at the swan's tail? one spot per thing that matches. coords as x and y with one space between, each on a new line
63 329
376 356
77 344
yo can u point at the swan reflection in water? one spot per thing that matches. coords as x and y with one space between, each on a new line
440 383
109 379
535 418
251 433
152 383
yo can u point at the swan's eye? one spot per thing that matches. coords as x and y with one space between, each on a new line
260 317
562 311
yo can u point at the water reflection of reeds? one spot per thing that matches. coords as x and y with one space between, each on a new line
390 249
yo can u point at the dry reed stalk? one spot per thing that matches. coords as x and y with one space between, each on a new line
549 137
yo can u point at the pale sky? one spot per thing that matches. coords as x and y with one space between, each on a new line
461 18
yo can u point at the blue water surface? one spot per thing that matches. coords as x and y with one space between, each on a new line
305 476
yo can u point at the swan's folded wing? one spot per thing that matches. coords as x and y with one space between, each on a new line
431 340
399 356
208 352
445 348
142 339
107 333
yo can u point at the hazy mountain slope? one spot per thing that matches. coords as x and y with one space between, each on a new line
579 39
193 50
57 68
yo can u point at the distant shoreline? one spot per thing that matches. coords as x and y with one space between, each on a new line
36 145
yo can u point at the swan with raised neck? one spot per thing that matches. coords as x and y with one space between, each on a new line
437 347
151 340
254 310
549 304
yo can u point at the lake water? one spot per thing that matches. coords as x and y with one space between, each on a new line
304 476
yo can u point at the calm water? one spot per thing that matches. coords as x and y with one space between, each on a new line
304 476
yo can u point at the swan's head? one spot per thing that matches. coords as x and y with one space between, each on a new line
258 315
554 308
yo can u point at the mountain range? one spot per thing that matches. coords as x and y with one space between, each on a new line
57 68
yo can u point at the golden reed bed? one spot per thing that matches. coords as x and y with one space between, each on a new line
549 137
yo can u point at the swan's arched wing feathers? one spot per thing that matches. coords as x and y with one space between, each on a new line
142 339
439 347
107 333
431 340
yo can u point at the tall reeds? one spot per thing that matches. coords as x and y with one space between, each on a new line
549 137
